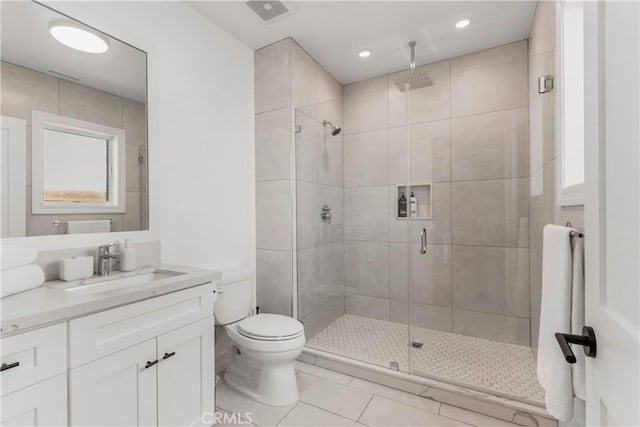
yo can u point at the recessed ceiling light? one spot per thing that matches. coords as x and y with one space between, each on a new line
364 53
463 23
78 37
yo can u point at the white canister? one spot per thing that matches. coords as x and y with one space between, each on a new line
75 268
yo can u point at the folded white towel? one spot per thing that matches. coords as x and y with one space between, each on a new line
16 256
89 226
559 304
20 279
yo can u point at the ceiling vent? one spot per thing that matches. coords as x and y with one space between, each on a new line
267 10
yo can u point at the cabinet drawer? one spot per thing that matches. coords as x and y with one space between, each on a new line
40 405
100 334
33 356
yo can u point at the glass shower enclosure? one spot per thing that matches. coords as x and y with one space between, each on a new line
393 244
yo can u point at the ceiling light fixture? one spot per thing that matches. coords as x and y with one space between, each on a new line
463 23
77 37
364 53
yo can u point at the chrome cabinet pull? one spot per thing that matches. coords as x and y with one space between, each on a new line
423 241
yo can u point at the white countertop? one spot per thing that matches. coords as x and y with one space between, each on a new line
51 303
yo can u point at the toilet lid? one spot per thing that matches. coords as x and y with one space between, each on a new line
270 327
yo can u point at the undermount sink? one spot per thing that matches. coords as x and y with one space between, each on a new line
95 285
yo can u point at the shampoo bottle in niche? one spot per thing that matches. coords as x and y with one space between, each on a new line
128 256
402 206
413 206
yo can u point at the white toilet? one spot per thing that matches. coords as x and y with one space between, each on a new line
264 349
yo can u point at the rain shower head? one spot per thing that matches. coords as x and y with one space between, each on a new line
334 129
413 79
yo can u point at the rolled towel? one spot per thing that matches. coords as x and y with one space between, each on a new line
16 256
20 279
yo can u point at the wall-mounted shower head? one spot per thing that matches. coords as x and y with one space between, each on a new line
334 129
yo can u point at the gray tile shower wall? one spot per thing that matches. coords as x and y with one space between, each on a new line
293 182
543 208
469 139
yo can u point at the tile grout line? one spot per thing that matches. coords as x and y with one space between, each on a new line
325 410
366 407
287 414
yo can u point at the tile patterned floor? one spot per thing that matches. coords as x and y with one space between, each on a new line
503 369
329 398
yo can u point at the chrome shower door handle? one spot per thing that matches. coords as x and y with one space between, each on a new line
423 241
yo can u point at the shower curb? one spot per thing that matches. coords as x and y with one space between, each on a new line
510 410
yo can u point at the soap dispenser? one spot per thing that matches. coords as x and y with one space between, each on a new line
128 256
402 206
413 202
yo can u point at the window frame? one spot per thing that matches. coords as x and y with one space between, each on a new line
116 140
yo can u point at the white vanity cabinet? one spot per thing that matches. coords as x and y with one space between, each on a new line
43 404
186 374
148 363
34 380
166 381
117 390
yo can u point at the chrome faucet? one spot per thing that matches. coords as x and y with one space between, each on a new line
105 259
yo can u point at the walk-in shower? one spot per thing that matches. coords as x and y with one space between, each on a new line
436 153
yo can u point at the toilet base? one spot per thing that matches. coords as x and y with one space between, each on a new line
272 383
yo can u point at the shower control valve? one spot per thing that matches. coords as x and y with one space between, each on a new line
325 214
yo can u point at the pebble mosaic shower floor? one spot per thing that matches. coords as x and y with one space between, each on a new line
499 368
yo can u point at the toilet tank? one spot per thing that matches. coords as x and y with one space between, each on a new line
235 294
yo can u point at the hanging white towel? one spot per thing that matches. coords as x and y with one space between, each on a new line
554 373
20 279
17 256
95 226
577 315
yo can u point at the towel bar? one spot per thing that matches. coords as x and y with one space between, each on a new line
58 223
573 232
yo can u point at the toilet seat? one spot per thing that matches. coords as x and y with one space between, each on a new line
270 327
260 345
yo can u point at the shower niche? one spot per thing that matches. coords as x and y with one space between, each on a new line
424 201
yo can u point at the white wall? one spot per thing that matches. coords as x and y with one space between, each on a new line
201 134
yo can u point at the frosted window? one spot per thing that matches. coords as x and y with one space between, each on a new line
573 96
75 168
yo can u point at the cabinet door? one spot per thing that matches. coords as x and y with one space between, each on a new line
42 404
186 374
117 390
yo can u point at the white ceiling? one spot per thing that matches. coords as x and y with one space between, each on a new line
25 41
333 32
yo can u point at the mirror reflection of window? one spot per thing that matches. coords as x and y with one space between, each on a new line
75 168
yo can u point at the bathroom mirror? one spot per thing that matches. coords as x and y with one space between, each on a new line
74 126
